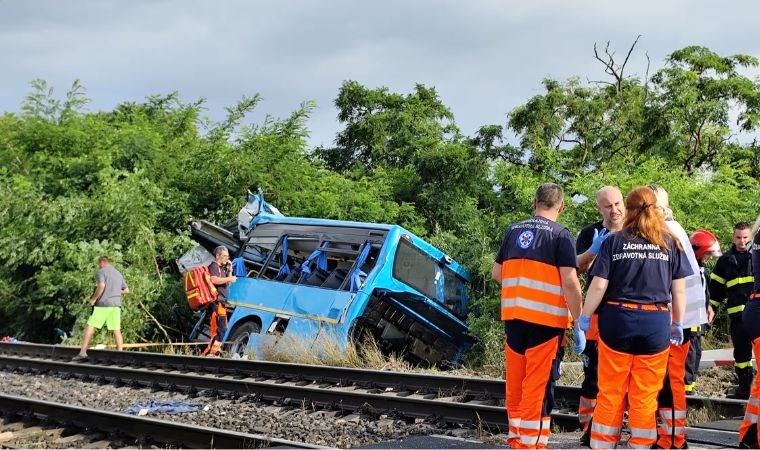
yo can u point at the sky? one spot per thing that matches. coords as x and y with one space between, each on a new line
484 57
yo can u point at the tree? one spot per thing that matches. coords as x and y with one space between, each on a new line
696 92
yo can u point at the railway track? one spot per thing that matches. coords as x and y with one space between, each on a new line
468 401
30 422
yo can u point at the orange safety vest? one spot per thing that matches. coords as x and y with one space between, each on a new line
531 291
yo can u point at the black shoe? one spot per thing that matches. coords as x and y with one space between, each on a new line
79 358
586 438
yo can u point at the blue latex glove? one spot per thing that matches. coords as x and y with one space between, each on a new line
676 333
584 322
599 237
580 340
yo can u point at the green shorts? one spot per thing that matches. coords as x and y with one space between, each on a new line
108 315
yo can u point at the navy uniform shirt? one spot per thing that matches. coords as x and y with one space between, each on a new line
639 271
584 241
586 237
215 271
539 239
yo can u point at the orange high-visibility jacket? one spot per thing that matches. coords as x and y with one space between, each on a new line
532 291
531 286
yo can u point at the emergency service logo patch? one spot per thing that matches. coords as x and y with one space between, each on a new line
525 239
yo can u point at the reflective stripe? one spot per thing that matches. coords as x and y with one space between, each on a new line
694 329
754 401
740 280
671 414
588 403
690 387
749 417
604 429
601 444
735 309
715 303
693 306
743 365
693 281
585 418
514 425
532 284
667 429
720 280
648 433
534 305
530 424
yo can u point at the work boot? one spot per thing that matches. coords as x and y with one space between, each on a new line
745 375
586 438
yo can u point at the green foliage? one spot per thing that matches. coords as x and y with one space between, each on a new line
125 182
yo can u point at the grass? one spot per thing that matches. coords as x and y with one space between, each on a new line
327 351
705 414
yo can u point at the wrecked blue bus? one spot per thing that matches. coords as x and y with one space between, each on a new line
307 278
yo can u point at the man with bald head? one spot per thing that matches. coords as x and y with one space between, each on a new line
609 202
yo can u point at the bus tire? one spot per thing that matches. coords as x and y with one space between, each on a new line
240 337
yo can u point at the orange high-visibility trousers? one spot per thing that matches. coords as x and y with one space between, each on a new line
671 408
748 431
218 328
590 385
527 376
641 377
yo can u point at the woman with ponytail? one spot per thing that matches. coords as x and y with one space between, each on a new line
637 272
749 436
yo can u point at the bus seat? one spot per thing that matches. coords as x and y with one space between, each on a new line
293 276
335 279
317 278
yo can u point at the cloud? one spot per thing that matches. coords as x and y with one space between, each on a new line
484 57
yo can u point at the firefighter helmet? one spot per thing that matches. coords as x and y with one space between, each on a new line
704 243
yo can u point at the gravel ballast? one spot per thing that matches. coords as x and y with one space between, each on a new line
321 427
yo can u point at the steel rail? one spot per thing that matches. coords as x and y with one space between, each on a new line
406 402
443 385
193 436
342 375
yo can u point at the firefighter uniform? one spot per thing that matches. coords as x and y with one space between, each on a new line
634 334
749 435
732 280
535 316
671 402
590 356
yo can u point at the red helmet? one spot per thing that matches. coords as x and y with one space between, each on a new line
704 243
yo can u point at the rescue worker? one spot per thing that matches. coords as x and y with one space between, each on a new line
671 402
705 246
749 435
536 267
637 272
731 280
609 202
221 276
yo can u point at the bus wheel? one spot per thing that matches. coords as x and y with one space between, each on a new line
240 338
